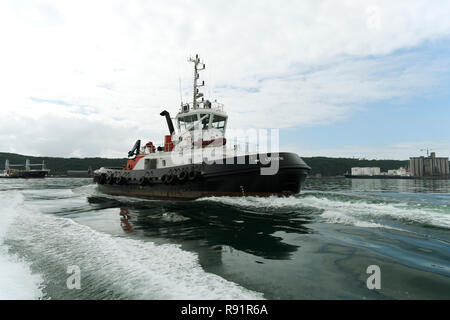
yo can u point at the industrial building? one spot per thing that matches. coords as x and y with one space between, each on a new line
431 166
366 171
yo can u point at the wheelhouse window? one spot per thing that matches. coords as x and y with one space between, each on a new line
186 121
219 122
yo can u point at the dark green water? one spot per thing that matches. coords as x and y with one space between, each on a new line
316 245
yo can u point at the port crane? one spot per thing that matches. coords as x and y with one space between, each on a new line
427 150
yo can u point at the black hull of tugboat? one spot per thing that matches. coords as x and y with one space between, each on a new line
205 180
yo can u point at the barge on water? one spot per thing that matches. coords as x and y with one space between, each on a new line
11 170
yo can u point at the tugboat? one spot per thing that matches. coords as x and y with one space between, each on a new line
195 162
27 173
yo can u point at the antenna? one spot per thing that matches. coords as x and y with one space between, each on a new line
198 66
427 150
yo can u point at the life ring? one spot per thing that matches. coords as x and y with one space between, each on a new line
164 178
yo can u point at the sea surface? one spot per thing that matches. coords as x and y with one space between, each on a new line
316 245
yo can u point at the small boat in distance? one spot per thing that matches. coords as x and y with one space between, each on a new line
27 172
195 162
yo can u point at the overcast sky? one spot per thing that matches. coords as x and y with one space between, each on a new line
339 78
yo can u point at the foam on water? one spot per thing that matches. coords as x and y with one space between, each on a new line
16 279
128 268
257 202
367 211
352 212
85 190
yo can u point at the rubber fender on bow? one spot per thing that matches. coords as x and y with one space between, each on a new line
170 178
192 175
109 179
142 180
182 175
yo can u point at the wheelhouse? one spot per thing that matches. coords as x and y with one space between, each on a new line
204 118
201 114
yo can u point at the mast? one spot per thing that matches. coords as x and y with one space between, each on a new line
198 66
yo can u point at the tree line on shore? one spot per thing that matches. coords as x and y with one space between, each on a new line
324 166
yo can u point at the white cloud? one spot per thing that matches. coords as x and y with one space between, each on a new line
107 68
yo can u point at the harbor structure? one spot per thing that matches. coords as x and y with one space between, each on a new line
430 166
